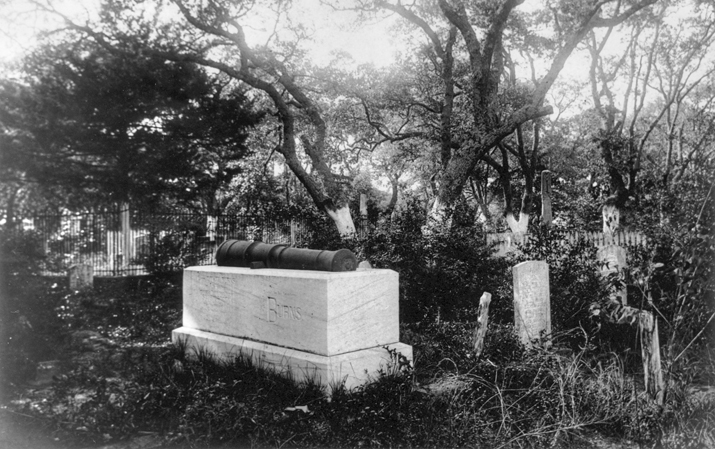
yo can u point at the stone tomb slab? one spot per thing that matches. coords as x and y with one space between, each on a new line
336 324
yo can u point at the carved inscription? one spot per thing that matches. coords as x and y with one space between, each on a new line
276 311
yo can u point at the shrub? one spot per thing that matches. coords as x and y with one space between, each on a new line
442 272
172 251
21 257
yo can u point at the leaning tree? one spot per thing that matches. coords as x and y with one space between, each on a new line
216 35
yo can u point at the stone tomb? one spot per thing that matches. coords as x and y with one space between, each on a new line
330 326
532 303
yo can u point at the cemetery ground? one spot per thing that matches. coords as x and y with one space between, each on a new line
116 379
95 368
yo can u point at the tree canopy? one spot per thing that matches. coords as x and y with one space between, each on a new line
473 108
111 127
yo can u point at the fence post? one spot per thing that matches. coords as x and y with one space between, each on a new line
292 232
546 216
126 230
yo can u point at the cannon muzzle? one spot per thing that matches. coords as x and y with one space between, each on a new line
241 253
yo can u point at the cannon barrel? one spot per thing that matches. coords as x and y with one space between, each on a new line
241 253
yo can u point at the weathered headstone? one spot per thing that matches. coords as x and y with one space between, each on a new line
532 305
650 350
328 326
363 205
80 276
613 259
482 323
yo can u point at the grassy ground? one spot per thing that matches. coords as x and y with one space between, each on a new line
114 378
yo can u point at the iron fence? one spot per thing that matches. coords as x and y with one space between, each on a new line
125 242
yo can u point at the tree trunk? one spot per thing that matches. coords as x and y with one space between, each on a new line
343 219
520 226
391 208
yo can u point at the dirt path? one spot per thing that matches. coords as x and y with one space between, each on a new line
19 432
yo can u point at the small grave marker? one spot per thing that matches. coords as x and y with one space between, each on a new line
482 323
80 276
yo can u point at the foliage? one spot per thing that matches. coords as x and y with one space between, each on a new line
173 250
23 301
442 272
445 348
20 252
107 127
119 378
674 277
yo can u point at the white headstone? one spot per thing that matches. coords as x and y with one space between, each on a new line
80 276
532 305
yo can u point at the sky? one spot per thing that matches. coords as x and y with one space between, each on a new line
366 42
333 31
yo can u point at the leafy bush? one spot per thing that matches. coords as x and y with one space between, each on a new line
27 323
21 256
446 347
675 279
442 272
172 251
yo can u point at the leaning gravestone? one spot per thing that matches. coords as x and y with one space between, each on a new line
80 276
323 325
613 259
532 305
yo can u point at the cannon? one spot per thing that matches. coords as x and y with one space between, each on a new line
241 253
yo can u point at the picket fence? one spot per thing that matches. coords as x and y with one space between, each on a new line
508 242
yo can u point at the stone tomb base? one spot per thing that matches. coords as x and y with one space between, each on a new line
355 368
330 327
